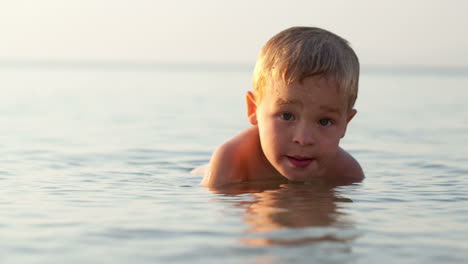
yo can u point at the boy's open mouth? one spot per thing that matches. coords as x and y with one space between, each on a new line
299 161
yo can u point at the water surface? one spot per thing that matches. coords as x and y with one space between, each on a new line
95 167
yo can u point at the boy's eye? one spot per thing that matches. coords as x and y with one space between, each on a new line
325 122
287 116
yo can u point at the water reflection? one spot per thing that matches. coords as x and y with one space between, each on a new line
291 214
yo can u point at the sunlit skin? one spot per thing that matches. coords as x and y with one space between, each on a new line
295 134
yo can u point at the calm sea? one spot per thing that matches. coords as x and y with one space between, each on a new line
95 168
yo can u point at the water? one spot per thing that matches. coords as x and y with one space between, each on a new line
95 168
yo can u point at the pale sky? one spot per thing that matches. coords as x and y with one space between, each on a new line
398 32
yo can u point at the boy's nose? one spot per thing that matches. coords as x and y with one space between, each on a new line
303 135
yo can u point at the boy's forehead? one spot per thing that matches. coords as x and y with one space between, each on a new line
313 80
304 87
316 88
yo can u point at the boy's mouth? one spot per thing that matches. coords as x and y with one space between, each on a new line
299 161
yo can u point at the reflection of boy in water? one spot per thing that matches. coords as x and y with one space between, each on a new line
280 206
304 89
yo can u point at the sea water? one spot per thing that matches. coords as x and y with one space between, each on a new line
95 168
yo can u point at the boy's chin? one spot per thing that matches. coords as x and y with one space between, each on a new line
297 177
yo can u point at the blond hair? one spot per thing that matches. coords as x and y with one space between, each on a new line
300 52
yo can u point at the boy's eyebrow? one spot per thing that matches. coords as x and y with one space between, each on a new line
281 101
327 108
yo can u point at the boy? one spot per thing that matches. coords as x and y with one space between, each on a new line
304 87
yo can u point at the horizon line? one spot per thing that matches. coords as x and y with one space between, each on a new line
111 64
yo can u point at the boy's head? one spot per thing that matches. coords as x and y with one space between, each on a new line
300 52
305 86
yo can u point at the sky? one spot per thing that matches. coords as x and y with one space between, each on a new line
430 33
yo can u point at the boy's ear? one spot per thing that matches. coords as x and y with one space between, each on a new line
251 108
350 116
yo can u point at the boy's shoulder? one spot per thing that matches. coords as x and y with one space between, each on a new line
228 164
346 166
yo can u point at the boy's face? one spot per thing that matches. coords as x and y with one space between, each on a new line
300 126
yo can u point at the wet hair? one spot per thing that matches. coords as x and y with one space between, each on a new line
300 52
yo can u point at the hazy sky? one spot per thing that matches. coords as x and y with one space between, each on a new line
398 32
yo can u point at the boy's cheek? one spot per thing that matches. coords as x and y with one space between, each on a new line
330 148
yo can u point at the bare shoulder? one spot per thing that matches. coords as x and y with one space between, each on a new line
227 164
347 166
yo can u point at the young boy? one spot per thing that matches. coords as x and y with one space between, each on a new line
304 88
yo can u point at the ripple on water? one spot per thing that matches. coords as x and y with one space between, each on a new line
107 190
